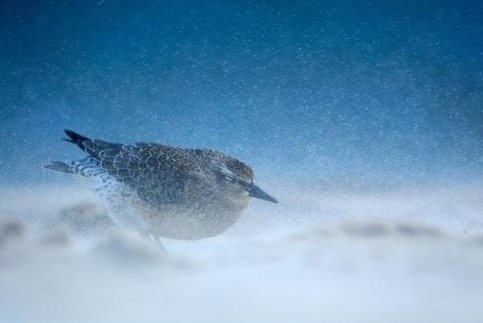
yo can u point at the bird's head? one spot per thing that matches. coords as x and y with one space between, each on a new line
238 179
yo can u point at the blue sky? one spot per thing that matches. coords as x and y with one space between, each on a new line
307 90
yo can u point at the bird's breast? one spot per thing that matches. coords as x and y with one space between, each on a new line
195 220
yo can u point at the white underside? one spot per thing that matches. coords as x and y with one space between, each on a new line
128 211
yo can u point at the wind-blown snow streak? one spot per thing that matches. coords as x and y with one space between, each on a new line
398 256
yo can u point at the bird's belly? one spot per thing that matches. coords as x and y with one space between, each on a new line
188 224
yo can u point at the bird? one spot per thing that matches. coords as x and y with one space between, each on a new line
165 191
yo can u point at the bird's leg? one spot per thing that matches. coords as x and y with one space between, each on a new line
155 240
160 245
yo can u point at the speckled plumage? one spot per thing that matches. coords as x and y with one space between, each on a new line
171 192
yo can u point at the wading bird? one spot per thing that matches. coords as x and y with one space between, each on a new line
165 191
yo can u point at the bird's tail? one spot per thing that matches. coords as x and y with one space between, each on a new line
75 138
60 167
86 167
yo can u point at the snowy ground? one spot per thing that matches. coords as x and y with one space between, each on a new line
321 255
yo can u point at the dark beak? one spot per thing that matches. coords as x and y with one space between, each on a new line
256 192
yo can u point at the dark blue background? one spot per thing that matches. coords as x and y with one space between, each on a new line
380 91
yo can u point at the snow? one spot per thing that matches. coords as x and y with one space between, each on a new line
404 255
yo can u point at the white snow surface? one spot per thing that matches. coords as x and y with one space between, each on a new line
322 254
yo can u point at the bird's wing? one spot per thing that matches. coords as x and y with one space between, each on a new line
158 173
91 147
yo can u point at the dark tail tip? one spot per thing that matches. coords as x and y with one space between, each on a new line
75 138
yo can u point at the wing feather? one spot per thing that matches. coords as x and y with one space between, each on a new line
158 173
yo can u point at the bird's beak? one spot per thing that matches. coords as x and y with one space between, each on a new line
257 192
